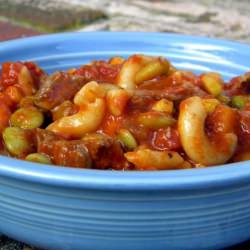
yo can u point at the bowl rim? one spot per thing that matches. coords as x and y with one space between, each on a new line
53 37
179 180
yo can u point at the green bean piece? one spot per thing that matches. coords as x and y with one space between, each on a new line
16 141
39 158
27 118
127 138
155 120
239 101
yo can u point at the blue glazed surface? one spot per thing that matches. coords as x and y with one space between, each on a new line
63 208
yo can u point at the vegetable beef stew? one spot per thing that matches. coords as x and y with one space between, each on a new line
139 113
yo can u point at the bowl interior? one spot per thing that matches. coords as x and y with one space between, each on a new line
68 50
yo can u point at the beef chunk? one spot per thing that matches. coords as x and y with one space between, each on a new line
105 151
57 88
62 152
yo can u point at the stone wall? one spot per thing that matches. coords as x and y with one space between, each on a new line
225 19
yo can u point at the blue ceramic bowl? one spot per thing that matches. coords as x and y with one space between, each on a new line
62 208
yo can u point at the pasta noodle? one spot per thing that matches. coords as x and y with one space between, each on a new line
195 142
90 100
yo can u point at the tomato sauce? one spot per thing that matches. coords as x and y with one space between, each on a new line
137 120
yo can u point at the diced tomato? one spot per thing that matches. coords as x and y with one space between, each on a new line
35 71
166 139
88 71
238 85
108 72
14 94
4 98
99 71
10 73
111 125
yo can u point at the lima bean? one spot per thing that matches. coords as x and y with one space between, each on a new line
127 138
27 118
39 158
16 141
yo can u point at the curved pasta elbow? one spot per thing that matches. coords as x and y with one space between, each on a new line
86 120
150 159
117 100
195 142
139 68
126 77
90 100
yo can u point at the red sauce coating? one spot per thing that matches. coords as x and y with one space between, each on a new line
54 96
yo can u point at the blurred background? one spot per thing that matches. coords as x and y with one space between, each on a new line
227 19
224 19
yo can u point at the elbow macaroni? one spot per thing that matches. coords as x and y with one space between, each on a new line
151 159
195 142
90 100
139 68
126 77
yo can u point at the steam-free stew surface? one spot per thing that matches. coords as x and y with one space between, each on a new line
139 113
